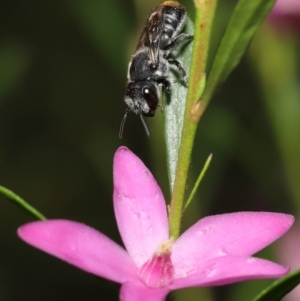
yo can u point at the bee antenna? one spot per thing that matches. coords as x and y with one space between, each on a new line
122 123
145 125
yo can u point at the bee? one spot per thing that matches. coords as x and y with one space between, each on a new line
149 67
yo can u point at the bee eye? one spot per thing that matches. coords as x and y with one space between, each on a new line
151 98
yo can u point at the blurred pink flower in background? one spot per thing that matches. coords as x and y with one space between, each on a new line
288 249
216 250
286 15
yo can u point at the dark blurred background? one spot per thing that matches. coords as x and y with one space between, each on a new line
63 68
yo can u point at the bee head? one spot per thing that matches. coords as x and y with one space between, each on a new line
142 97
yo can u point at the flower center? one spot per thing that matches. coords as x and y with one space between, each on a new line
158 271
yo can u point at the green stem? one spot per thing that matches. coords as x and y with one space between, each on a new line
194 109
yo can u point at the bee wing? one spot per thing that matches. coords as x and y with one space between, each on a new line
152 33
155 32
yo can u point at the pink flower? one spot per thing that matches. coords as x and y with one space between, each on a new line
285 15
216 250
288 249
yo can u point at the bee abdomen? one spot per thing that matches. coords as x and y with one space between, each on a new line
174 19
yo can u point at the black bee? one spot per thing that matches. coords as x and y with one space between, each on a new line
150 64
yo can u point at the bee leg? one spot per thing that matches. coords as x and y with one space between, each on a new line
165 83
176 40
180 69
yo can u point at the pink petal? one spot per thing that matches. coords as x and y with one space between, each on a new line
229 269
139 206
286 7
81 246
288 250
239 234
285 16
137 291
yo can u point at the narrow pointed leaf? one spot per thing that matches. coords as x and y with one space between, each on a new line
198 181
246 19
14 198
281 287
174 105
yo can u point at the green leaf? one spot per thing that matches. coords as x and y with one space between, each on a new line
279 288
174 105
246 19
203 19
11 196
